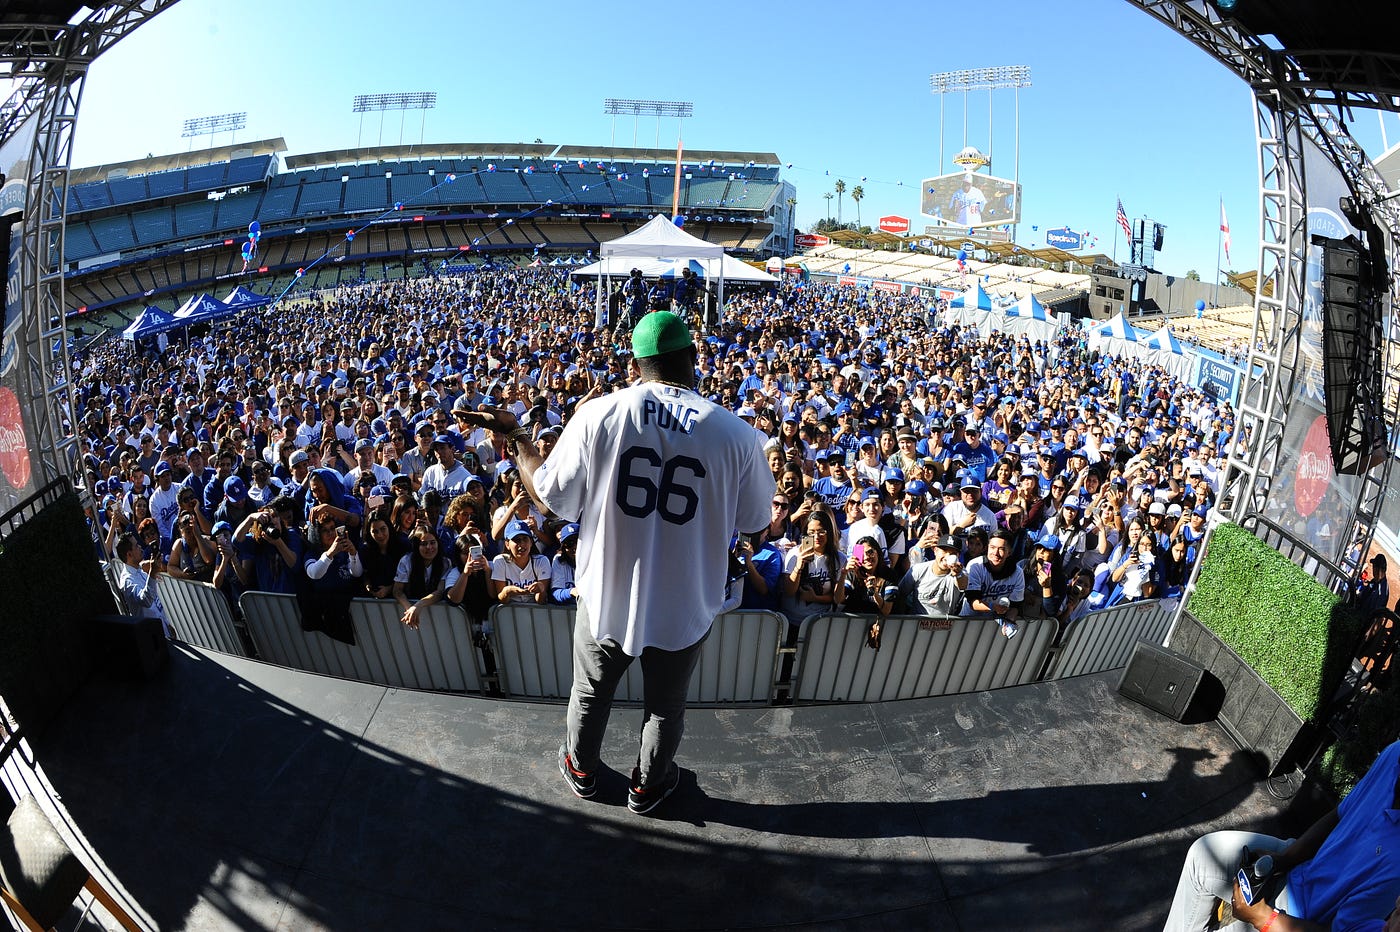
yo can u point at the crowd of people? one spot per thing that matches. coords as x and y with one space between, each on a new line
322 447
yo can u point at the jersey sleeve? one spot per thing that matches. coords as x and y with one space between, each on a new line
560 480
756 488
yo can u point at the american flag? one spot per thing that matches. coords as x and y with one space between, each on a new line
1123 220
1225 230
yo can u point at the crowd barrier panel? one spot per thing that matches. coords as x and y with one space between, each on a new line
1104 640
200 615
919 657
533 645
439 655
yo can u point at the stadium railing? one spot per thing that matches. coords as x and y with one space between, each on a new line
200 615
919 657
530 649
438 655
1104 640
533 648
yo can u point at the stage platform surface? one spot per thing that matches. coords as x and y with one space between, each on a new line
229 794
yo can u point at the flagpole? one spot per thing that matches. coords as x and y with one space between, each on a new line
1219 233
1115 237
676 189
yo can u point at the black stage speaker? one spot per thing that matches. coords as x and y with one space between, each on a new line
1351 346
130 647
1161 679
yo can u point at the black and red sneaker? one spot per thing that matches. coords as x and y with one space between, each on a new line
583 784
642 799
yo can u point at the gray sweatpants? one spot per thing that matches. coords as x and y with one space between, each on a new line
598 667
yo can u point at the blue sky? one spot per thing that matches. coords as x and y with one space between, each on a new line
1119 105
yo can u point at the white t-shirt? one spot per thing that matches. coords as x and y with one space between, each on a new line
506 570
659 478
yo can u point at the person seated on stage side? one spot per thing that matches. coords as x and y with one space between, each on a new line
1341 874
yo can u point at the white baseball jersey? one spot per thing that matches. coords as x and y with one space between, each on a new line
658 478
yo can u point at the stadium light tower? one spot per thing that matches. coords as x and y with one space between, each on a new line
1015 77
613 106
412 100
208 126
979 79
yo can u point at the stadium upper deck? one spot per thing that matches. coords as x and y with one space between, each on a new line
175 223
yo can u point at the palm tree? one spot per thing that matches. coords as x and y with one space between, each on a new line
856 194
828 195
840 190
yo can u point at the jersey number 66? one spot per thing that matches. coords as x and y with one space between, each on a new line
657 496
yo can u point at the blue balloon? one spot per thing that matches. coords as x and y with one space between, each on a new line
1200 305
678 220
254 227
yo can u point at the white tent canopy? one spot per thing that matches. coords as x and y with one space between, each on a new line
1116 337
658 238
619 267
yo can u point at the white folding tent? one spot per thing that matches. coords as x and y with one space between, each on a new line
658 238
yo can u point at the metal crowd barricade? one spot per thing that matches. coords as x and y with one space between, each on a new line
439 655
533 645
919 657
1104 640
200 615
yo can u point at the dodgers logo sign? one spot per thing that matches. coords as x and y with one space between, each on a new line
1063 238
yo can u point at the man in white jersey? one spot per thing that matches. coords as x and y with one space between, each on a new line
658 479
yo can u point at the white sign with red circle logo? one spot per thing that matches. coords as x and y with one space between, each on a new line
14 449
893 224
1314 469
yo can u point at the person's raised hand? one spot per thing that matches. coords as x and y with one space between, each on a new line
501 420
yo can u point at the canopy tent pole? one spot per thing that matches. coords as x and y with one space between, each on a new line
598 307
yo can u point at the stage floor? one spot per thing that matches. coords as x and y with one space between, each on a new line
228 794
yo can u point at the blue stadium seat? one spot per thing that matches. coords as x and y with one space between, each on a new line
195 218
249 170
407 188
236 211
366 194
206 177
166 184
320 197
78 242
113 234
544 185
503 187
153 226
278 204
127 190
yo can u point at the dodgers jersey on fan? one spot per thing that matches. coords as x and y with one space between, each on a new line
658 479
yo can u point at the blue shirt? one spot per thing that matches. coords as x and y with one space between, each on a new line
835 496
1355 876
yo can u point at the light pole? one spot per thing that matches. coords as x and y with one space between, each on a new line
828 195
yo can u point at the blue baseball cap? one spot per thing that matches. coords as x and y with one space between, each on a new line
892 474
234 489
1049 542
517 528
